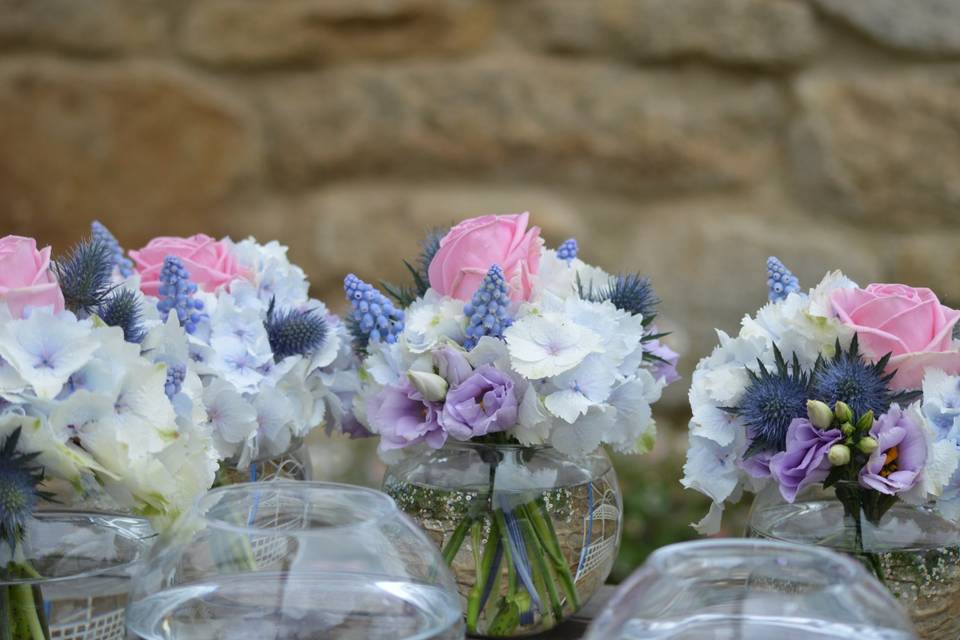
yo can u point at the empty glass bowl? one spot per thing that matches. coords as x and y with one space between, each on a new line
295 560
750 590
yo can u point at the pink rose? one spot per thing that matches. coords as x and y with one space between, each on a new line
908 323
209 262
25 277
469 250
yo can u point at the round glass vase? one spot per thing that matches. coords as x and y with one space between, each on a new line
290 561
529 533
735 589
291 464
70 577
911 549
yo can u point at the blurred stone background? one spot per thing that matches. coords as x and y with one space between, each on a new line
686 139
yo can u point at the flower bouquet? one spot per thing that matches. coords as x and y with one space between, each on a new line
837 407
83 401
269 363
492 381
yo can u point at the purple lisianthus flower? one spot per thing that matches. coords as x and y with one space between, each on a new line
757 465
402 417
666 366
483 403
895 465
452 365
805 460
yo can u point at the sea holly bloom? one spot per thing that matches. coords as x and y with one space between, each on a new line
20 480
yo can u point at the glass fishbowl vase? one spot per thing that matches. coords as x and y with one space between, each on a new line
736 589
530 533
70 577
290 560
911 549
291 464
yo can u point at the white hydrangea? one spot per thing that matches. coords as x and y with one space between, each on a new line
240 380
94 407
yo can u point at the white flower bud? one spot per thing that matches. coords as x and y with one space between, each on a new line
432 387
839 455
819 414
843 412
868 445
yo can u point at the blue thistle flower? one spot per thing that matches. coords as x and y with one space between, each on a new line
771 402
174 382
405 295
19 489
864 386
630 292
85 276
176 292
568 250
294 332
780 282
487 310
123 309
373 318
123 264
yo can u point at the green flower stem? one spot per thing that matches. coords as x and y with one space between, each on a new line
507 618
30 626
484 568
6 617
456 540
543 525
539 566
39 609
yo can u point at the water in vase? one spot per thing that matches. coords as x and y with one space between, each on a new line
287 606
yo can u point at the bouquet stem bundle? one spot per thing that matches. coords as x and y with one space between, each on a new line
521 541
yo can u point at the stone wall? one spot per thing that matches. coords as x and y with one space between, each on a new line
687 139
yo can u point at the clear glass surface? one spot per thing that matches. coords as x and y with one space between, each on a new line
295 560
530 533
292 464
731 589
70 577
911 549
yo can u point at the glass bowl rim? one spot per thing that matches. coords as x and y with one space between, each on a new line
841 566
64 514
384 504
509 446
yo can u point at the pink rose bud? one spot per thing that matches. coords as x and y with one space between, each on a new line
25 277
468 251
210 262
910 324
